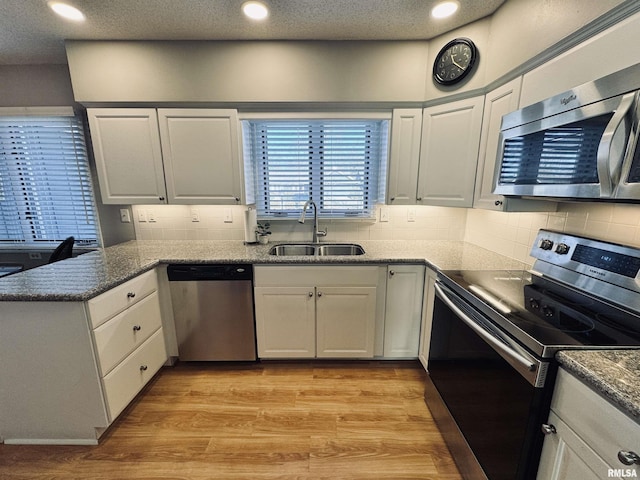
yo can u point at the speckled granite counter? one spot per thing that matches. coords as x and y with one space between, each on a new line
88 275
613 373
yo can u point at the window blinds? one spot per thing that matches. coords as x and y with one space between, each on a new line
336 163
45 183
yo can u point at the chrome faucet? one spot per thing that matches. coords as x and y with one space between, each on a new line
316 233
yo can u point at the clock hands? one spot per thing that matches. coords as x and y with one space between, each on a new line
453 60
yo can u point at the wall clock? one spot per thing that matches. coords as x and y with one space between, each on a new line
455 61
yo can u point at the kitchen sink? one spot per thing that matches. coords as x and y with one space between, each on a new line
316 250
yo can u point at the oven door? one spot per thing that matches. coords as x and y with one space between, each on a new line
488 395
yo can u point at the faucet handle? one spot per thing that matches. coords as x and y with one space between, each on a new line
322 233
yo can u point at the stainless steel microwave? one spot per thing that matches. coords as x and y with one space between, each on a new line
581 144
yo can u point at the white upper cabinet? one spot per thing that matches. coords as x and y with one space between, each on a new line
196 151
497 103
126 145
200 153
406 129
449 153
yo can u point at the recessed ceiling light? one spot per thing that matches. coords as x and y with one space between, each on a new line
255 10
67 11
444 9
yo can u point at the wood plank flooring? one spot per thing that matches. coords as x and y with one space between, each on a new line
315 420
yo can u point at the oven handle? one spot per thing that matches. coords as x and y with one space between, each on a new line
483 333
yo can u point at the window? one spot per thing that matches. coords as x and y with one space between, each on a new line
45 183
340 164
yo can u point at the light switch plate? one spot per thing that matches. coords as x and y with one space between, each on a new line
125 216
384 214
411 215
142 215
151 215
228 216
195 215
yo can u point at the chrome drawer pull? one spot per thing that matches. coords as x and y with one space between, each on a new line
137 328
548 429
628 458
131 295
143 368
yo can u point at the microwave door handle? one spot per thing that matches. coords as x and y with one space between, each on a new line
606 144
493 341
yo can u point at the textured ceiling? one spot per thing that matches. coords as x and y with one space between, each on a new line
31 34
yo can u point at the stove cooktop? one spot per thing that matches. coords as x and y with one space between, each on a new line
544 315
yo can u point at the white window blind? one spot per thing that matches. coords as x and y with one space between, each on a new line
45 183
340 164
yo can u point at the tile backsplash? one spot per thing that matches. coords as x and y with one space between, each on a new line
175 222
509 234
512 234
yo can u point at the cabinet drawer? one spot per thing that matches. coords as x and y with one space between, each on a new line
600 424
123 383
118 337
319 276
112 302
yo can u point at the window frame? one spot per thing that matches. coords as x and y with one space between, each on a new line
29 231
378 179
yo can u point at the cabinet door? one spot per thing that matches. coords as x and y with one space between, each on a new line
200 153
427 317
406 129
285 322
346 318
449 153
403 311
126 146
565 455
497 103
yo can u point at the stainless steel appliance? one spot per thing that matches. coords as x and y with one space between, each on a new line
213 311
494 338
580 144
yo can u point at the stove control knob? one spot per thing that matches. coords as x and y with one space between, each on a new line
562 249
548 311
546 244
535 304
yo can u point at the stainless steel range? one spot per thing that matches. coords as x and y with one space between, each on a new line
495 335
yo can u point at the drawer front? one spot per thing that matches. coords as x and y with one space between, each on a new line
320 276
118 337
600 424
124 382
114 301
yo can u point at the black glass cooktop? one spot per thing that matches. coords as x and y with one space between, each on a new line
544 315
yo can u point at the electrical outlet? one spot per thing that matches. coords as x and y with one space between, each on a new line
142 215
384 214
228 216
411 215
151 216
125 217
35 256
195 215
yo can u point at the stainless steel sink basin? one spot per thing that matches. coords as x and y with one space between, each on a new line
340 249
316 249
286 250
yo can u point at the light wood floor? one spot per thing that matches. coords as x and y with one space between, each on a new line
365 420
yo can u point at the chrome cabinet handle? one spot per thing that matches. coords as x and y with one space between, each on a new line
310 294
143 368
628 458
319 294
419 199
137 328
548 429
497 203
392 273
131 295
392 198
161 199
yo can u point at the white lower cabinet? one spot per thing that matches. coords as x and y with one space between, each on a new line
403 310
586 435
317 311
69 368
427 316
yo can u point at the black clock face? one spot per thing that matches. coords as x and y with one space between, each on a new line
454 61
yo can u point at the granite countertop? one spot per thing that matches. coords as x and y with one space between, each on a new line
615 374
83 277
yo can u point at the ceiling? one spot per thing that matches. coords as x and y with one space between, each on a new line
30 33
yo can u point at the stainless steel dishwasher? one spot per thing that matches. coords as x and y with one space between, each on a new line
213 311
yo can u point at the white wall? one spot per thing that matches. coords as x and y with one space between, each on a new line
173 222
